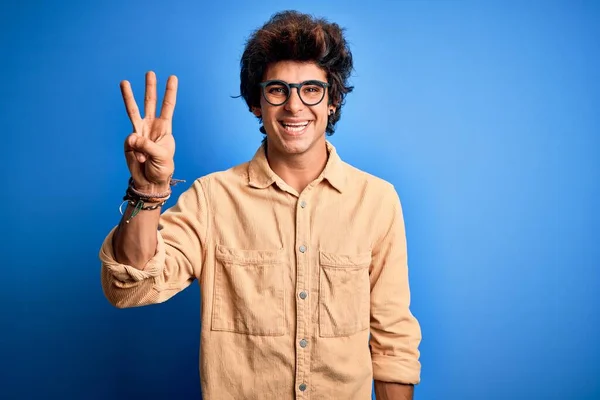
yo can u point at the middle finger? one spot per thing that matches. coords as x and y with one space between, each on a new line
150 98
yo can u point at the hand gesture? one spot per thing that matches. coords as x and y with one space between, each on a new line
150 149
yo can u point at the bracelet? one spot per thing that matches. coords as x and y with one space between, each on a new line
139 206
137 199
146 196
151 198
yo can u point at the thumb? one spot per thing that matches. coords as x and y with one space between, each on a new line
142 144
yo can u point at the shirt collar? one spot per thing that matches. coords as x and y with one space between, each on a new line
260 174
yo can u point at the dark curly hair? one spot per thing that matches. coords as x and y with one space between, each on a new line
290 35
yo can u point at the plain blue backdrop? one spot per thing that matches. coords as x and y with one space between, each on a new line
484 115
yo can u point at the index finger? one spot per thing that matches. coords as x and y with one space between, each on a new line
130 105
168 104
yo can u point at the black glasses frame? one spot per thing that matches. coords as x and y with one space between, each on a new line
289 86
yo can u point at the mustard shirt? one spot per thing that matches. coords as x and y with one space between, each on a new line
303 295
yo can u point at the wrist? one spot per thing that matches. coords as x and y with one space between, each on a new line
150 188
153 188
149 193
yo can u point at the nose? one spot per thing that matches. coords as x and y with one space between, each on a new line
294 104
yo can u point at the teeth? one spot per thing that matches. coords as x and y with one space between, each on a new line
296 127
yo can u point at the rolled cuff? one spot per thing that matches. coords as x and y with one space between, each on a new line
127 273
396 369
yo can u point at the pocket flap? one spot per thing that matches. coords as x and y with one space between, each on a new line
242 256
345 260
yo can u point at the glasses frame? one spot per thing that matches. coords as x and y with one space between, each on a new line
298 86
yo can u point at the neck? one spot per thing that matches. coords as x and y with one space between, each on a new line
298 170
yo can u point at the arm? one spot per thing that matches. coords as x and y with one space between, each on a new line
395 332
140 263
143 265
393 391
135 243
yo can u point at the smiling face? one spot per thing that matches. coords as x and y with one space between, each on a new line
294 128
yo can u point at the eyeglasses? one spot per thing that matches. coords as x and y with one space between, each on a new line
277 92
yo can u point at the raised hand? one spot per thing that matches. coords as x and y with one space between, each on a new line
150 149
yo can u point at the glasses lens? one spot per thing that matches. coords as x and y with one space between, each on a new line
312 94
276 93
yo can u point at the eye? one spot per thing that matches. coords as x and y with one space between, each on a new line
277 90
312 90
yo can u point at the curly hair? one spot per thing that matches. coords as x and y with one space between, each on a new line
293 36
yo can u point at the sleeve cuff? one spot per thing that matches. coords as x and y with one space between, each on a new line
396 369
127 273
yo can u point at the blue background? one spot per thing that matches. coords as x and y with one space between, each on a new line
484 115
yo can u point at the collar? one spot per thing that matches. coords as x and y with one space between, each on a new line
261 176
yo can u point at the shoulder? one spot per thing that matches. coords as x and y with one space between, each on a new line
370 184
207 185
233 175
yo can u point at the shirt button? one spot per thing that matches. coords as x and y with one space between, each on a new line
303 204
302 387
303 343
303 295
302 249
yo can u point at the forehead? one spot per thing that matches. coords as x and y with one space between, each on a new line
295 71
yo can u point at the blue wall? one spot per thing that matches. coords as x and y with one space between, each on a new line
484 116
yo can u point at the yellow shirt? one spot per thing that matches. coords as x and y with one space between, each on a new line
304 295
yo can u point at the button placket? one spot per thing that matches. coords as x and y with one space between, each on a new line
303 280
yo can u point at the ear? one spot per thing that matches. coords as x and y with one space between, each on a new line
331 110
256 111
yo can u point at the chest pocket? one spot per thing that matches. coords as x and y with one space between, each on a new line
344 296
248 294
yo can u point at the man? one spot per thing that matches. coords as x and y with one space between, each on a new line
300 257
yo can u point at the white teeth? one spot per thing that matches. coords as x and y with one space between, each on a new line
295 127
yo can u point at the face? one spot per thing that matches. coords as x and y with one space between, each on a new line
294 128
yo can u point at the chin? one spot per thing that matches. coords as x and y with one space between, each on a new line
295 147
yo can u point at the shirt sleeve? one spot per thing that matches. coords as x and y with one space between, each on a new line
176 263
395 332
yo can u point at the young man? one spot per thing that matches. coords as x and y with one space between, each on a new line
300 257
